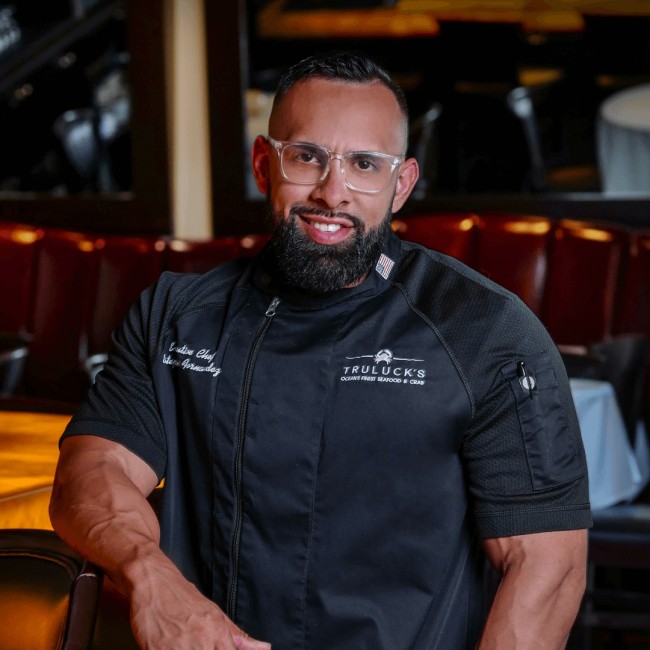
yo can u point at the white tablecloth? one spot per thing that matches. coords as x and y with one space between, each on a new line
617 472
623 139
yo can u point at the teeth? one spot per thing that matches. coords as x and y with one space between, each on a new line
325 227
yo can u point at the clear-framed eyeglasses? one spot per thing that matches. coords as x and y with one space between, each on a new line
307 164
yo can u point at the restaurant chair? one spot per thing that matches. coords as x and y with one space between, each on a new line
579 361
623 364
48 593
633 313
126 266
520 102
523 102
201 257
65 281
85 135
18 248
94 365
76 131
14 349
618 546
18 245
513 252
634 309
481 141
582 280
424 148
453 235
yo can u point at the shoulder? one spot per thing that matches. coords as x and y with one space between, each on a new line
452 294
425 270
484 326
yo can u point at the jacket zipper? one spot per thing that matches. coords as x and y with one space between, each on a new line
239 456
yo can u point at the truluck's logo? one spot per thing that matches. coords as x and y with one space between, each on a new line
383 355
382 370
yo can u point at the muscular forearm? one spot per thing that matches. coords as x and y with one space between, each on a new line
534 608
98 510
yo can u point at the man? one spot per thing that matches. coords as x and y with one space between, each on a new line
338 422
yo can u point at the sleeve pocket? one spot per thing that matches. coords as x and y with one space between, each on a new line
550 449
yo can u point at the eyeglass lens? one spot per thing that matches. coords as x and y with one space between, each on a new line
303 163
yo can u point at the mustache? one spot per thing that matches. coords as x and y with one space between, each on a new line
298 210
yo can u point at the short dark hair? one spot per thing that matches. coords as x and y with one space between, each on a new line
350 67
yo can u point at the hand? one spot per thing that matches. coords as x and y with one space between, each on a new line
170 613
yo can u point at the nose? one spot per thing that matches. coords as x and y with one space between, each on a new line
332 192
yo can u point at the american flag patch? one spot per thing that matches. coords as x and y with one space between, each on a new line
384 266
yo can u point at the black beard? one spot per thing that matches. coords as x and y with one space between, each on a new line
322 268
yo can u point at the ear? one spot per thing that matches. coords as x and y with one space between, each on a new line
406 179
260 163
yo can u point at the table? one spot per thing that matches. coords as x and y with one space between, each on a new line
617 472
623 140
29 451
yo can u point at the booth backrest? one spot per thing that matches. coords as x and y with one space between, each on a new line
64 284
586 281
126 266
634 313
17 254
583 280
453 235
513 251
200 257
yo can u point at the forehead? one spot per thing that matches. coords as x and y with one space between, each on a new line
340 116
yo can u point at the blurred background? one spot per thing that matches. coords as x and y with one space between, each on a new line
125 130
514 103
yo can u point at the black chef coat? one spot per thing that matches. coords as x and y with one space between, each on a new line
331 462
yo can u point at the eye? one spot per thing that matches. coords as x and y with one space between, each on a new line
305 157
366 164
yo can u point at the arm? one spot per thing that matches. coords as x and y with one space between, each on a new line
543 579
99 508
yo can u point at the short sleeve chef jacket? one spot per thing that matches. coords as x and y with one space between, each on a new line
330 463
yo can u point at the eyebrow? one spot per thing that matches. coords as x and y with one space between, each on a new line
322 146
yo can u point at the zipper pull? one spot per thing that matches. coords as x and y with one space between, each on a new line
526 380
270 312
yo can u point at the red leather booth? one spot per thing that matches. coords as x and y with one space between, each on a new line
583 281
67 291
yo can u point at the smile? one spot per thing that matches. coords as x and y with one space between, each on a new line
325 227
